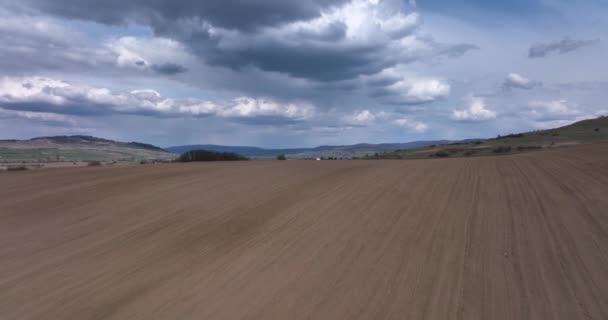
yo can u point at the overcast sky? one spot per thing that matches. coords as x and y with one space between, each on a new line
276 73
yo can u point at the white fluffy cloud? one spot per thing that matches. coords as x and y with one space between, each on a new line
359 20
363 118
246 107
423 90
476 111
553 110
400 25
516 81
412 124
368 118
50 96
400 87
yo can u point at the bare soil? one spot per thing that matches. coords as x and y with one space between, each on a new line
513 237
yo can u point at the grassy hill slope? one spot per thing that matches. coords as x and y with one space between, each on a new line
78 148
586 131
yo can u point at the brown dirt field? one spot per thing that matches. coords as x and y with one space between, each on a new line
513 237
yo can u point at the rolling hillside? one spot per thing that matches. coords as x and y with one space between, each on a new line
87 148
582 132
78 148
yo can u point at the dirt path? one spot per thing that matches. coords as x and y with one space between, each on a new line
514 237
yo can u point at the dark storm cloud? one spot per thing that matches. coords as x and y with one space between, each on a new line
263 34
323 63
565 45
383 81
169 68
230 14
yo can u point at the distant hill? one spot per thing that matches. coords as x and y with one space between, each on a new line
586 131
78 148
88 148
347 151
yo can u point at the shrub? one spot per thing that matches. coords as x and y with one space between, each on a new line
205 155
17 168
596 129
469 153
455 150
94 164
281 157
502 149
519 135
523 148
441 154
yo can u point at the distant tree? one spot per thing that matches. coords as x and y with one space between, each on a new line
205 155
442 154
17 168
281 157
502 149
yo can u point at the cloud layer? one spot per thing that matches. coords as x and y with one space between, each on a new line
249 16
315 40
50 96
323 71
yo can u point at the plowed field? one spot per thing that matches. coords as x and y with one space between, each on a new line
513 237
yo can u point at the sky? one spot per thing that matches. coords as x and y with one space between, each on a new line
276 73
